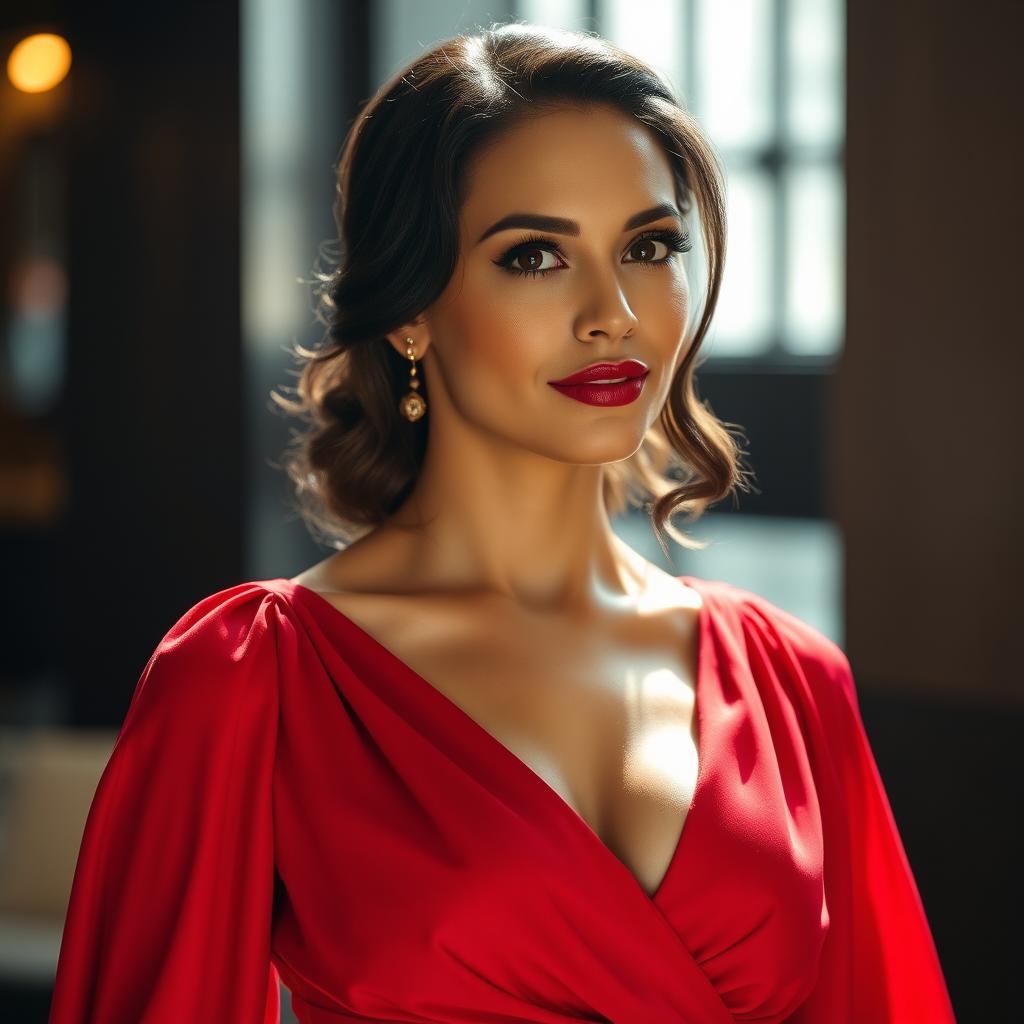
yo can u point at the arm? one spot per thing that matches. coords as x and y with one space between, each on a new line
880 963
170 909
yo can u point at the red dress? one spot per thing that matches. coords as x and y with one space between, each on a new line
288 797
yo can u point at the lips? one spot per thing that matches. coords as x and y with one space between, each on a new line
607 372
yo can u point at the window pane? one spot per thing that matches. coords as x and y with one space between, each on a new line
276 137
814 64
567 14
735 80
815 270
652 31
743 322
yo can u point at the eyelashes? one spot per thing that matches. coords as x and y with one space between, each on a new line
677 242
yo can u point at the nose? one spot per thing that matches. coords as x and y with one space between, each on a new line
607 314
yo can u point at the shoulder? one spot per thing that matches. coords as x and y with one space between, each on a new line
791 644
220 655
226 627
228 622
197 747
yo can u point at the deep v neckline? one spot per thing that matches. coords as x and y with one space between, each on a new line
448 706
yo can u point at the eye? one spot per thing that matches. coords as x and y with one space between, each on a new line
531 251
648 246
674 242
643 249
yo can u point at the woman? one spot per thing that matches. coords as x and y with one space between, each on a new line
485 762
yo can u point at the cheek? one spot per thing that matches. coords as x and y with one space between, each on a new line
504 332
670 319
675 305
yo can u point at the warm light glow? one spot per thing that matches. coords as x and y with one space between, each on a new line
39 62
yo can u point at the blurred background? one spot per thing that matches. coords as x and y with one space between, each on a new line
166 181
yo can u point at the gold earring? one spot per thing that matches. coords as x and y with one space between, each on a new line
413 405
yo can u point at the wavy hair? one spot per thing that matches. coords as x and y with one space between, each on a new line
401 178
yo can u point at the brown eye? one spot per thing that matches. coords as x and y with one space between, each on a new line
531 260
527 258
645 246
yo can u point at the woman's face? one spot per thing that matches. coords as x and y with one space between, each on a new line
518 314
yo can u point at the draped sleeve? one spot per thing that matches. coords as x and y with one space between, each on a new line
879 962
169 916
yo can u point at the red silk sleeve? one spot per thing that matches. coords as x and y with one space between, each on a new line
169 917
880 962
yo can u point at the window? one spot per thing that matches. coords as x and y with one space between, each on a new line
765 80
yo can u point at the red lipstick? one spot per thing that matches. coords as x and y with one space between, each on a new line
586 385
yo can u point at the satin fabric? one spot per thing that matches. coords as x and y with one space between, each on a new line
288 798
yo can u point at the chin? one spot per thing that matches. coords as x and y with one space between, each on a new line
602 451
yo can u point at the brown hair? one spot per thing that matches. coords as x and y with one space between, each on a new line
400 183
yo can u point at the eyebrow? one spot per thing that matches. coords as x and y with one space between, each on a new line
564 226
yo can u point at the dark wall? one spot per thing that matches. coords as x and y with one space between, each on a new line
926 483
153 413
928 491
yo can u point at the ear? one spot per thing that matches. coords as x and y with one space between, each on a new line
420 339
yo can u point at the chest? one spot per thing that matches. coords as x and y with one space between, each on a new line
604 714
416 865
